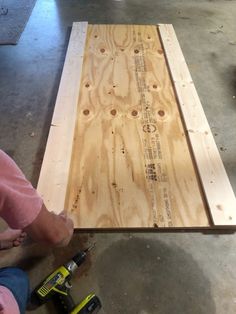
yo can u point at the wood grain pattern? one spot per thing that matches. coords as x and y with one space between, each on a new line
131 166
55 169
217 188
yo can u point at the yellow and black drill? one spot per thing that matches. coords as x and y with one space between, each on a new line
57 286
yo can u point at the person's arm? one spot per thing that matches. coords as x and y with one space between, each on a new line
51 229
22 208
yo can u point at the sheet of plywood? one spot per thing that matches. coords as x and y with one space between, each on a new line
54 173
215 182
131 165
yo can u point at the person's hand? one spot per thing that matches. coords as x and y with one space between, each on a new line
69 226
50 228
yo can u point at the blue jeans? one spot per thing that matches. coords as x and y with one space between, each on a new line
17 281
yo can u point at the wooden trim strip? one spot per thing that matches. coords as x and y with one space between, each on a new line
55 169
217 188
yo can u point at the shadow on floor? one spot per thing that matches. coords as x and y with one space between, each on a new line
138 276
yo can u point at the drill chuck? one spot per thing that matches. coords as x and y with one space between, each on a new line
76 261
79 258
71 266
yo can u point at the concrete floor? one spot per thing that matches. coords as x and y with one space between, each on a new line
142 273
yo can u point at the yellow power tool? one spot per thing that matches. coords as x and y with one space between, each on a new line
57 287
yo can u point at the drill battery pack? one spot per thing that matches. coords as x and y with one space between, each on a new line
91 304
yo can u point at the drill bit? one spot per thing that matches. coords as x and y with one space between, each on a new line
90 247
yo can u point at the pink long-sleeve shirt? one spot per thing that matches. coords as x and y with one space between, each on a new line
19 206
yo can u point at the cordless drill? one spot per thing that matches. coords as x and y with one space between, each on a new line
57 287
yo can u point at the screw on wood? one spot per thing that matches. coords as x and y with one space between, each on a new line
86 112
113 112
161 113
134 113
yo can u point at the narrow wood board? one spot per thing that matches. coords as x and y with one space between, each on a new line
55 169
215 182
131 166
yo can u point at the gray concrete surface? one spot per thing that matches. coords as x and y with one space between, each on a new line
143 273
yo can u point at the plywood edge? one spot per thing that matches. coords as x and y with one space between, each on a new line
215 182
53 180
